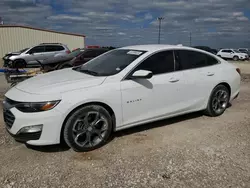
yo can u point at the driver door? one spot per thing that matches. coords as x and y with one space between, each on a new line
36 53
148 99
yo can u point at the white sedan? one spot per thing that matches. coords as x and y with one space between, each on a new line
122 88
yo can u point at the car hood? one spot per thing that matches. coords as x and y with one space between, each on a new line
243 54
10 54
58 82
13 53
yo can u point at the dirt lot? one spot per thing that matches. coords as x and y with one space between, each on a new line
188 151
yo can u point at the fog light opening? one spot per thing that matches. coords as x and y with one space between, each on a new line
31 129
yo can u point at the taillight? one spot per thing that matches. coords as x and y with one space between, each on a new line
68 51
238 70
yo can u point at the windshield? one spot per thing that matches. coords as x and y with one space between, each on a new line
236 51
23 50
75 53
110 63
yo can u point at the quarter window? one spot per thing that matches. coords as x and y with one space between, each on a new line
190 59
159 63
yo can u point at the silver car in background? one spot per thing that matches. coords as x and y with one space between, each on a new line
28 57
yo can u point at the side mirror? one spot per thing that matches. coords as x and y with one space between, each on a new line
142 74
231 52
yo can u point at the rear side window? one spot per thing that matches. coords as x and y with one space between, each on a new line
186 59
53 48
161 62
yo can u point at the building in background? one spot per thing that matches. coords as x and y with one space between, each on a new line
15 38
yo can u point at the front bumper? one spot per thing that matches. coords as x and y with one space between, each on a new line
51 122
25 137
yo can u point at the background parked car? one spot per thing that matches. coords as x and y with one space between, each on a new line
205 48
244 50
232 54
28 57
83 57
59 59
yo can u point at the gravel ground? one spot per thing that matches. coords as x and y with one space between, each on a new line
188 151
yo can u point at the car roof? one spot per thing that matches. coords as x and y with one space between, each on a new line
156 47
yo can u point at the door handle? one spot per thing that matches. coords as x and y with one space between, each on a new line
173 80
210 74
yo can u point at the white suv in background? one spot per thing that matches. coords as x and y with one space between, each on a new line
28 56
232 54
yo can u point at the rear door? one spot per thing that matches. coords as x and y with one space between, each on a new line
52 50
200 72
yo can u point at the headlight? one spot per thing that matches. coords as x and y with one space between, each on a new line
36 106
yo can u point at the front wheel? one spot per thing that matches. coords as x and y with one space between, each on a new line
235 58
88 128
218 101
19 63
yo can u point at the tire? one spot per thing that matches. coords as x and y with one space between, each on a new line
220 96
235 58
19 63
88 128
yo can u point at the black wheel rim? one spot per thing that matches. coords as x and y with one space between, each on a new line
220 101
90 129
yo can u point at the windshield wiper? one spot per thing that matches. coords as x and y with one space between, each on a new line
93 73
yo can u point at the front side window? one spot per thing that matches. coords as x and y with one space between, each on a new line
161 62
37 49
110 63
186 59
226 51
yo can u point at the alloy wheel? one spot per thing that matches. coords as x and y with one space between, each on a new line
220 101
90 129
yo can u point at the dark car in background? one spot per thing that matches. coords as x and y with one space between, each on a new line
206 48
244 50
83 57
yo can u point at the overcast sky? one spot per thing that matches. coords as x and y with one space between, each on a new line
215 23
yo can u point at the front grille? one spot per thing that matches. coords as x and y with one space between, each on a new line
11 102
9 118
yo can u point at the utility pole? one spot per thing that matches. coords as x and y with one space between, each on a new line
159 37
1 21
190 39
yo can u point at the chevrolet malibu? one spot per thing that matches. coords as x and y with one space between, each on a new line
122 88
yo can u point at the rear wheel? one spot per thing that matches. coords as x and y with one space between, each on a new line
88 128
218 101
